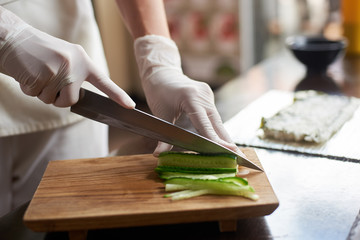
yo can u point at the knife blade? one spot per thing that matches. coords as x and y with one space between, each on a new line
105 110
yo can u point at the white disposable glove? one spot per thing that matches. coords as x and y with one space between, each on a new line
48 67
170 93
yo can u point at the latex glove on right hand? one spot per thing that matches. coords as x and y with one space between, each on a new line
170 93
48 67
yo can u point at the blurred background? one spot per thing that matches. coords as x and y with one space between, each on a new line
236 46
219 39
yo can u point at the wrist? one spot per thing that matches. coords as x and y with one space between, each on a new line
155 53
10 26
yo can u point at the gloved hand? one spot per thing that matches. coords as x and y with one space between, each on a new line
169 93
48 67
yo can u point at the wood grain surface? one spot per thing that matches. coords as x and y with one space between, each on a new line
124 191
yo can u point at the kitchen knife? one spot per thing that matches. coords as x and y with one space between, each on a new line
105 110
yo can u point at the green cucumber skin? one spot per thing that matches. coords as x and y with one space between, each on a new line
236 180
169 175
196 154
160 169
179 159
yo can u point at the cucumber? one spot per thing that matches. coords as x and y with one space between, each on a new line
189 175
194 160
237 180
168 175
162 169
169 187
217 187
186 194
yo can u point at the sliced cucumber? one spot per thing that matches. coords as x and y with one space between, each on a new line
217 187
237 180
189 175
169 187
186 194
162 169
180 159
168 175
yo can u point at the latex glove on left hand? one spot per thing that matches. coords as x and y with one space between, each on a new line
169 93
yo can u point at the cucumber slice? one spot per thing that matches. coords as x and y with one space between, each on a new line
237 180
217 187
168 175
180 159
161 169
170 187
186 194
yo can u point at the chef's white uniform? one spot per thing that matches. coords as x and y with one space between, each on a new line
33 133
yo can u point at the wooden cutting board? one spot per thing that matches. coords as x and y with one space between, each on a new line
124 191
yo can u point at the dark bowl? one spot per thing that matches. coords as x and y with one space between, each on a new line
315 52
